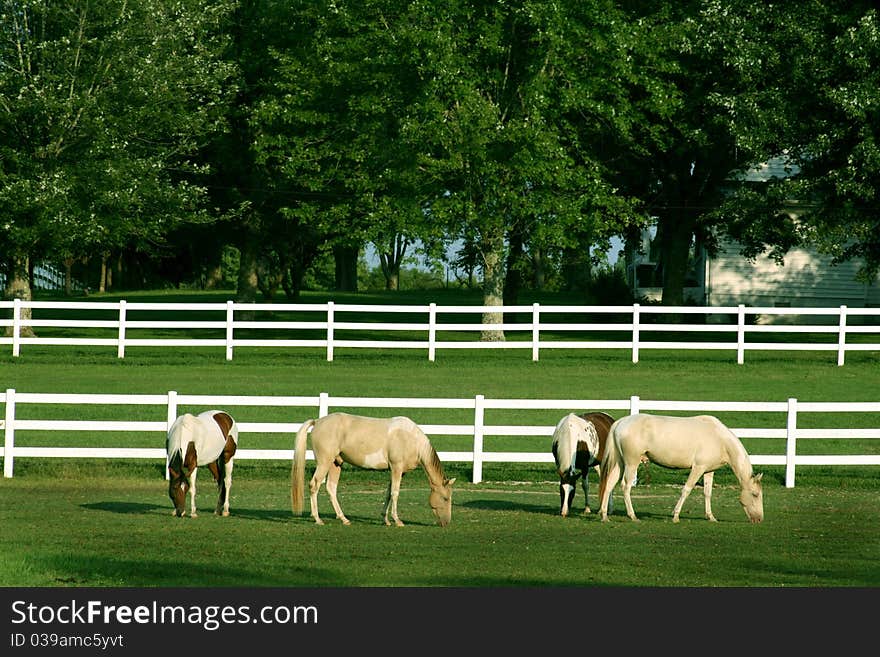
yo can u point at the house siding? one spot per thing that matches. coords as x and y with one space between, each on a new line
806 279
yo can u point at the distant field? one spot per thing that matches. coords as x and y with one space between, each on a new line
505 531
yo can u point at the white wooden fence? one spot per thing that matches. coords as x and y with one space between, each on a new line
828 329
320 405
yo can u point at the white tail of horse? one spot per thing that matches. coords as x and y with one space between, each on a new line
298 468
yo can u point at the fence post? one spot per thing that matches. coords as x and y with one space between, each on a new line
120 348
740 334
790 442
635 345
634 405
9 438
323 404
171 417
841 340
329 331
230 318
432 331
536 330
479 418
16 326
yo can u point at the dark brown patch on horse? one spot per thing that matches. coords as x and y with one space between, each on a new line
602 423
191 460
225 422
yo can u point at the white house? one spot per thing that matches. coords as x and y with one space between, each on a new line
806 278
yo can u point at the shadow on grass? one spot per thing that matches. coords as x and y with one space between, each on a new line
97 571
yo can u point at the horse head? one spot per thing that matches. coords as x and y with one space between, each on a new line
179 470
441 501
752 498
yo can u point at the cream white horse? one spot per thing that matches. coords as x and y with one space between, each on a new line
209 438
701 443
397 444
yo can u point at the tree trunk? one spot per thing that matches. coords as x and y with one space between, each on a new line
246 289
214 277
513 278
102 278
68 277
18 287
675 233
492 248
391 260
539 271
346 268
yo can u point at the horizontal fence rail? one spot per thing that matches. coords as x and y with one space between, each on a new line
330 326
477 429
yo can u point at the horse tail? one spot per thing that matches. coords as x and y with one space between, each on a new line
298 468
609 467
564 451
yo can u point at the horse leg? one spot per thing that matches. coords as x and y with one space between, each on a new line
225 489
217 469
692 479
392 495
224 467
607 482
585 484
629 480
708 478
566 496
314 486
332 485
192 494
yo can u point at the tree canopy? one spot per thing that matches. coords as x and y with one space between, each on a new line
528 130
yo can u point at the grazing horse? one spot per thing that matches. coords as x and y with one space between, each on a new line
701 443
209 438
397 444
578 445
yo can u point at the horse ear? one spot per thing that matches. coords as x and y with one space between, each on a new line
759 476
449 482
191 461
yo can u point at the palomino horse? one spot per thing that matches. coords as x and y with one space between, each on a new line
701 443
209 438
396 443
578 445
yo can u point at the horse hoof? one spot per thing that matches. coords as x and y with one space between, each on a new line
193 515
587 511
346 521
399 523
675 519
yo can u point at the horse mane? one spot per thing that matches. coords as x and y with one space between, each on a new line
740 462
431 460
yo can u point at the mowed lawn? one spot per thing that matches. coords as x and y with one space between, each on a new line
81 523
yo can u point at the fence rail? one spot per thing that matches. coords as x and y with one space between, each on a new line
329 326
477 429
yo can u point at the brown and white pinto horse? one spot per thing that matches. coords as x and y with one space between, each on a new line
209 438
578 445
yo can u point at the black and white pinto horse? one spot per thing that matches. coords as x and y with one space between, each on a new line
578 445
209 438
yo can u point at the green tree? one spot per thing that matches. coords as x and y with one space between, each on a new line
102 105
835 129
709 102
514 94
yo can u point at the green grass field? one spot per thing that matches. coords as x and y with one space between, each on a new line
79 523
